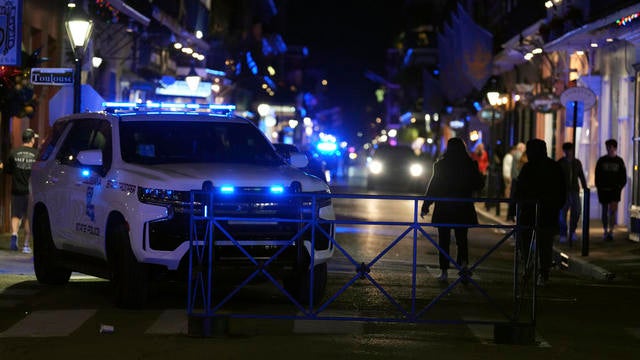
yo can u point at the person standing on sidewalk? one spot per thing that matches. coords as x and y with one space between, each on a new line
19 166
572 170
507 163
611 177
540 194
455 175
516 166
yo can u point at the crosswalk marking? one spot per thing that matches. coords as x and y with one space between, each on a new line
49 323
172 321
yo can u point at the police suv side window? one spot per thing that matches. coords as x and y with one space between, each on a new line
52 140
87 134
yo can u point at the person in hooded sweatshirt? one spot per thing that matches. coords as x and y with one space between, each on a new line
455 175
541 182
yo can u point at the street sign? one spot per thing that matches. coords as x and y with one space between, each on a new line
52 76
578 93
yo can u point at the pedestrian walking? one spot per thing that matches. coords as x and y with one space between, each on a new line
455 175
573 173
519 158
611 177
481 157
19 166
507 164
540 194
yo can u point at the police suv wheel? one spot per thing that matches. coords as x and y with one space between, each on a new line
130 278
45 254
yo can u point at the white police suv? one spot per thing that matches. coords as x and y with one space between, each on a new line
112 197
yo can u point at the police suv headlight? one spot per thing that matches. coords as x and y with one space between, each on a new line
416 170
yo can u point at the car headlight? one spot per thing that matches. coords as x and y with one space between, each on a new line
375 167
416 170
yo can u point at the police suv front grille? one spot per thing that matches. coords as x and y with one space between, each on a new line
259 221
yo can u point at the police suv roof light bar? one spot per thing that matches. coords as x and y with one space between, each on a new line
113 106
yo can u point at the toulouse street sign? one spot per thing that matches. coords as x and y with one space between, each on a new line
52 76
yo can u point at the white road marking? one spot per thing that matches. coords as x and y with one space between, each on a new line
49 323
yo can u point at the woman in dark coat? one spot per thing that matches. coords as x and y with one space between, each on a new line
455 175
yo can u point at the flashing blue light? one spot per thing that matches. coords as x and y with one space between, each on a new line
477 106
215 72
276 189
85 172
166 105
326 147
436 72
227 189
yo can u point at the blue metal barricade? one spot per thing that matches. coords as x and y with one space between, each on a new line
208 234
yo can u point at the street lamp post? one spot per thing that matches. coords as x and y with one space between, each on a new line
79 28
494 101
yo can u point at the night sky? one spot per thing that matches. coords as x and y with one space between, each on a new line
345 39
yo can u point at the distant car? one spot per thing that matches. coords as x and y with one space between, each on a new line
315 166
399 169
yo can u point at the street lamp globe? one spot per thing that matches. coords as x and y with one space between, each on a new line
79 28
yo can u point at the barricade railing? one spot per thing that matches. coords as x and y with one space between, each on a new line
511 300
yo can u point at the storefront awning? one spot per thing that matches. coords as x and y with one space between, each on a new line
513 50
598 31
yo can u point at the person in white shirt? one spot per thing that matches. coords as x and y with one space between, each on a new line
507 163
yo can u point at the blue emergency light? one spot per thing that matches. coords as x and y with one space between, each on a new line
150 105
276 189
227 189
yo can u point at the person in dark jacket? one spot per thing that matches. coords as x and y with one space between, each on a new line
611 177
572 169
19 166
455 175
541 182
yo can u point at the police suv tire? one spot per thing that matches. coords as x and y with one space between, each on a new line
45 254
130 278
298 284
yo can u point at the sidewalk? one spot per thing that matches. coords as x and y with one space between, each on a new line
14 262
617 259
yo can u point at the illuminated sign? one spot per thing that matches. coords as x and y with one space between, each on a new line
52 76
180 88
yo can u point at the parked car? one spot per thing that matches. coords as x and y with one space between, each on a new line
112 198
397 169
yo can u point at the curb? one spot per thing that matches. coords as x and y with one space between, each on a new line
581 267
566 262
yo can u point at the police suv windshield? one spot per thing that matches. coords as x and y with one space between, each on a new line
172 142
